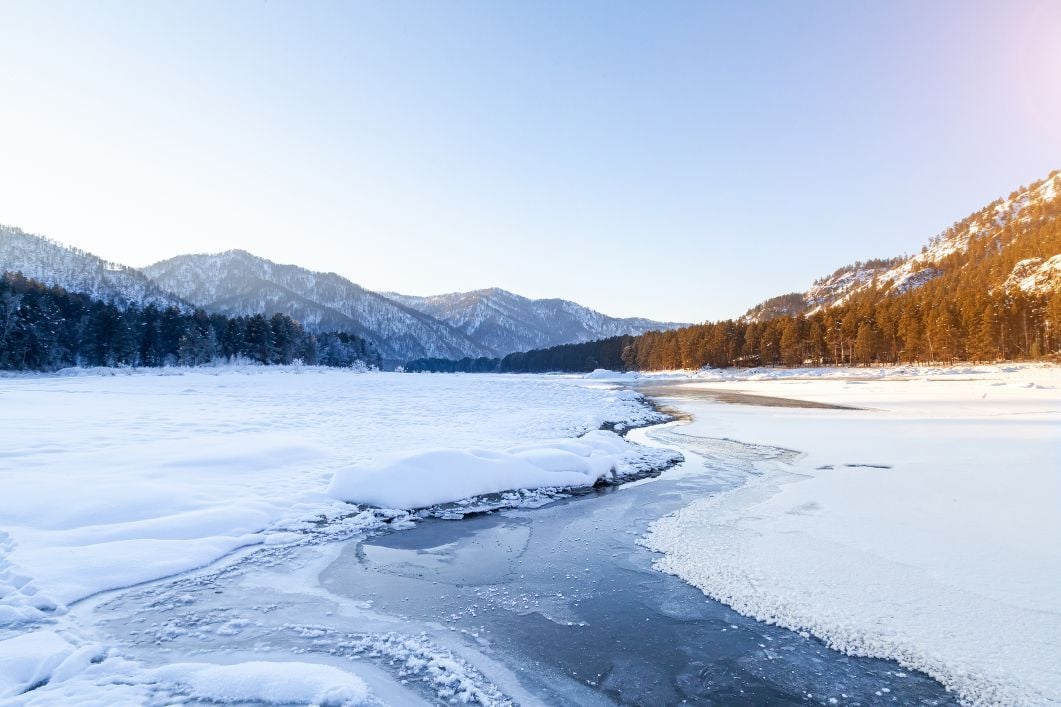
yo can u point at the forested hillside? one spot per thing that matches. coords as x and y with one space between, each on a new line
74 270
238 283
46 328
987 289
997 233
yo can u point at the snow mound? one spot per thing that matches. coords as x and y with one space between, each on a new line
607 375
267 682
429 477
30 659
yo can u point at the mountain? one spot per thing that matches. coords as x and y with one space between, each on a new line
505 322
74 270
238 283
987 289
1000 243
487 323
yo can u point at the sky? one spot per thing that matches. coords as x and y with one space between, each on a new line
676 160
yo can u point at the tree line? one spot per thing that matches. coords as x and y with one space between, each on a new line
917 327
865 332
46 328
966 308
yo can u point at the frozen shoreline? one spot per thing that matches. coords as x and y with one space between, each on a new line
918 529
113 481
268 442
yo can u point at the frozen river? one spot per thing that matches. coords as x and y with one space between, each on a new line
181 544
557 605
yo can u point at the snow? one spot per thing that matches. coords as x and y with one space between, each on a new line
30 659
431 477
269 682
53 264
170 472
506 322
1035 275
604 374
922 527
113 480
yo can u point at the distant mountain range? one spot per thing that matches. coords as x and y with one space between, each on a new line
1009 246
486 323
504 322
997 244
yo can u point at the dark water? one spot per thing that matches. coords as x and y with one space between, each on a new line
565 597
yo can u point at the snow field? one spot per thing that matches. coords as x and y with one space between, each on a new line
922 528
114 480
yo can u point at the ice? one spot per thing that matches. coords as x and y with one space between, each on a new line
115 478
110 481
922 527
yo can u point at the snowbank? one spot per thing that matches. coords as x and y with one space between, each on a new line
112 480
30 659
429 477
109 481
862 373
266 682
922 528
607 375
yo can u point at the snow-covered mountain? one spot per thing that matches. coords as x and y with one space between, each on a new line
505 322
485 323
1003 234
238 283
56 265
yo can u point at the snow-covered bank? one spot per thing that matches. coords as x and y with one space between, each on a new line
923 528
1020 370
109 481
430 477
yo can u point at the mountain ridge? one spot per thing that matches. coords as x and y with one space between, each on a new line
943 252
56 265
239 282
508 322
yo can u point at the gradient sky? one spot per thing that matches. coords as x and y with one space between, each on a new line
679 160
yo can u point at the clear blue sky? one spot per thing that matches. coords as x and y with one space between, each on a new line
680 160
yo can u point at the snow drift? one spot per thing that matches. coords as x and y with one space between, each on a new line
433 476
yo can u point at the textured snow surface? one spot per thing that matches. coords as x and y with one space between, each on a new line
922 528
267 682
431 477
113 480
30 659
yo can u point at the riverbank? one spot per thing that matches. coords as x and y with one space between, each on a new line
112 482
920 528
184 464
